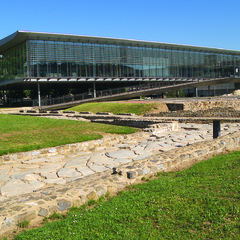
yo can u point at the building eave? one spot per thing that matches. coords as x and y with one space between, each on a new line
21 36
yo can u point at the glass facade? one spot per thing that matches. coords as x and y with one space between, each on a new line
13 63
69 59
43 58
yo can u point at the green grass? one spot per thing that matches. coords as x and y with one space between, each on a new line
202 202
23 224
115 108
26 133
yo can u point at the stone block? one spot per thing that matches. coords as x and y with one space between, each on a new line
43 212
146 170
66 147
174 162
14 157
77 202
85 113
152 168
131 174
92 195
7 223
111 189
27 155
52 150
200 152
184 157
27 216
35 153
53 208
100 191
63 204
169 163
6 158
139 172
160 166
59 149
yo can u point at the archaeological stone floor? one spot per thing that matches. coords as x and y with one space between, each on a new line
29 176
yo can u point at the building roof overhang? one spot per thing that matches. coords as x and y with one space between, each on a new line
21 36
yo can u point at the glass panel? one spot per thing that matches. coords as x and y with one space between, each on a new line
38 58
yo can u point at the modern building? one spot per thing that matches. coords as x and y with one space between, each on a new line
63 62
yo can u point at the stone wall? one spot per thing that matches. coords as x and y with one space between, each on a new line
69 148
215 112
211 103
86 146
34 207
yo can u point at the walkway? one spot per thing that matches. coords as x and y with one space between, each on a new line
157 86
29 176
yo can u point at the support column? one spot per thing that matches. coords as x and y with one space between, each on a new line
10 97
22 94
39 96
94 90
209 91
177 93
196 92
3 96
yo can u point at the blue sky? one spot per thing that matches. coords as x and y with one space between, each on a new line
207 23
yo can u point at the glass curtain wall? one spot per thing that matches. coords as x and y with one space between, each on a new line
69 59
13 63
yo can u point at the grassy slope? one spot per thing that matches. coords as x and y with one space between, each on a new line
24 133
198 203
115 108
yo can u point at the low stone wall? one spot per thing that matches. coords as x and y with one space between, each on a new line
211 103
136 122
70 148
34 207
215 112
86 146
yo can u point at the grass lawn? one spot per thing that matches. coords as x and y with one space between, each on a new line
202 202
25 133
115 107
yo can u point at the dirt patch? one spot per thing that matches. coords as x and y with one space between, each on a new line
161 107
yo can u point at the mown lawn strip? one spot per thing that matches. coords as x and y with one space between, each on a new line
26 133
198 203
116 107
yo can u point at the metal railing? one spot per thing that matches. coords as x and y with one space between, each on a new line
116 91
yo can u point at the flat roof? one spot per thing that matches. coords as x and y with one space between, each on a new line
21 36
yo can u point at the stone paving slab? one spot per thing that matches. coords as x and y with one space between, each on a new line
21 175
85 171
97 168
16 187
121 154
76 162
101 159
54 181
123 161
68 173
49 175
142 156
